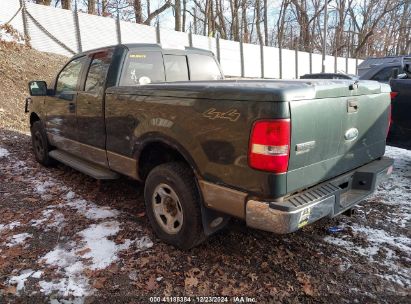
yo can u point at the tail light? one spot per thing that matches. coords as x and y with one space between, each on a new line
393 95
270 145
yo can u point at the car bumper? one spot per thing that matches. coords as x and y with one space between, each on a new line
324 200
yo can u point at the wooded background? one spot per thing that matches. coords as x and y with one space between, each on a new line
356 28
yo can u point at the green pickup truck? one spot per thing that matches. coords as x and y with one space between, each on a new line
277 154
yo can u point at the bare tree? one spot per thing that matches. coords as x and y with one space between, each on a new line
177 17
91 7
66 4
43 2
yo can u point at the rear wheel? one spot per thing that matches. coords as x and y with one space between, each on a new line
41 146
172 204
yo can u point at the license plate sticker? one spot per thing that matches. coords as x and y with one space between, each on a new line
304 217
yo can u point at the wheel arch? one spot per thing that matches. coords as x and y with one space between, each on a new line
33 118
154 149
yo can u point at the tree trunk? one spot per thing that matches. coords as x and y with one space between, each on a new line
258 21
43 2
138 11
177 19
207 7
246 35
265 22
91 7
66 4
104 11
221 20
235 23
195 20
184 15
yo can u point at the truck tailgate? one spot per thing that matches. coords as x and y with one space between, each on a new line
333 135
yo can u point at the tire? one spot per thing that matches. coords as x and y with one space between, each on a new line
41 146
173 205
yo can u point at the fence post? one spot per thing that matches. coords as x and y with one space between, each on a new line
190 39
242 58
24 17
280 59
118 28
311 61
77 29
217 44
296 61
262 60
346 62
158 33
335 62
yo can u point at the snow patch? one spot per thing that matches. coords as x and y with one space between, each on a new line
94 252
22 278
9 226
4 153
74 282
102 251
41 188
144 243
52 217
70 195
91 210
18 239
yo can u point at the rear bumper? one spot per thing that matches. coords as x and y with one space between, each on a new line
324 200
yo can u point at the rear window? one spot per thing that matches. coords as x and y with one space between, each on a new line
385 74
142 68
176 67
203 67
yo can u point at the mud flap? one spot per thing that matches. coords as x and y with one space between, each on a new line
213 220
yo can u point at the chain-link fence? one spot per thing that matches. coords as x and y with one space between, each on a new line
68 32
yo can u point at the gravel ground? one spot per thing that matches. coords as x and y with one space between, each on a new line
64 236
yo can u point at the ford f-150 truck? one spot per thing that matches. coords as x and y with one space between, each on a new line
277 154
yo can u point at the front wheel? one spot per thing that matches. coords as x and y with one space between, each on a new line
172 204
41 146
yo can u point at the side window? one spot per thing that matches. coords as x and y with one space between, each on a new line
176 68
142 68
97 72
203 67
384 74
68 77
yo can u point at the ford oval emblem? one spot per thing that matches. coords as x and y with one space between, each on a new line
351 134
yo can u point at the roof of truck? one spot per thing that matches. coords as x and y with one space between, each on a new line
150 47
372 65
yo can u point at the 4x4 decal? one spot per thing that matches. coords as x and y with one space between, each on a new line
231 115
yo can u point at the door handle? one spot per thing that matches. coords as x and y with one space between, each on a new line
352 106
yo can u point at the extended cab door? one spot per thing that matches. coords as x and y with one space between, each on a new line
61 106
91 129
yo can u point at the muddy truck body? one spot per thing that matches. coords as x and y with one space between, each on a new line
277 154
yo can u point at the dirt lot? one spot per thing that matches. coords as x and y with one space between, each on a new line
65 236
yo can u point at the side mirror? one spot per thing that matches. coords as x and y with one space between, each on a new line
38 88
